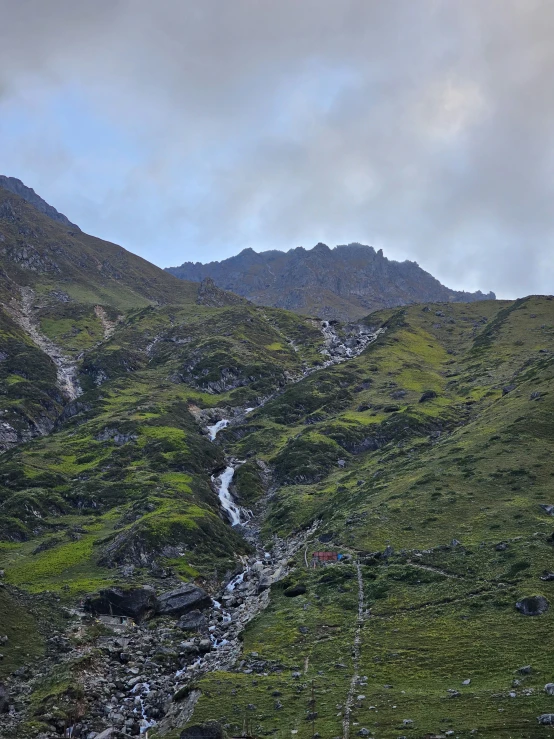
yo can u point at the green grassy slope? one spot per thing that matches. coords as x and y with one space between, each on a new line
443 482
31 401
24 642
72 289
124 477
120 475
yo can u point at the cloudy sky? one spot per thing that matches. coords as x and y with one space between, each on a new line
191 129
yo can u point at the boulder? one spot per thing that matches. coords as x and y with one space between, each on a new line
111 733
193 621
187 597
327 537
137 603
549 688
427 395
548 508
534 605
547 576
264 583
546 719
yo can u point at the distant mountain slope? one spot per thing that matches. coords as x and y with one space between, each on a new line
344 283
27 193
62 293
56 259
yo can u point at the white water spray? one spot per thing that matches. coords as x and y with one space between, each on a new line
237 580
216 428
227 503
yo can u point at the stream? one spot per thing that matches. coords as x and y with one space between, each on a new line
247 593
222 482
216 428
146 698
337 351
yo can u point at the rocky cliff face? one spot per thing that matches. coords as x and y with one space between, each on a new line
343 283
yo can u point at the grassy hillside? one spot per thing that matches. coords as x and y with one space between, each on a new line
127 469
426 460
62 293
445 427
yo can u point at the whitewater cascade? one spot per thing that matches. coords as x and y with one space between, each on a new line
237 580
216 428
226 499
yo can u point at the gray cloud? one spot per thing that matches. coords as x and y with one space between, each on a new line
422 126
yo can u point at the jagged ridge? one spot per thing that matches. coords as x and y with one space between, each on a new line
344 283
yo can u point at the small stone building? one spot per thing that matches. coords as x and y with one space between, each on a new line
320 559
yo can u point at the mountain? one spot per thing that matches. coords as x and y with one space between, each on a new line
61 293
56 259
344 283
143 416
15 186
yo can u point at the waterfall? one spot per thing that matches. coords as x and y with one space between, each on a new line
216 428
225 497
237 580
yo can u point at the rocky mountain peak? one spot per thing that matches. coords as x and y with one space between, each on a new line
345 282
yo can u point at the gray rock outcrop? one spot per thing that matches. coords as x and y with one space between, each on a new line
136 603
187 597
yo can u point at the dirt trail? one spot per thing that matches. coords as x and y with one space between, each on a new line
437 570
356 656
22 313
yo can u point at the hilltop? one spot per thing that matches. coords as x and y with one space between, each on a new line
344 283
